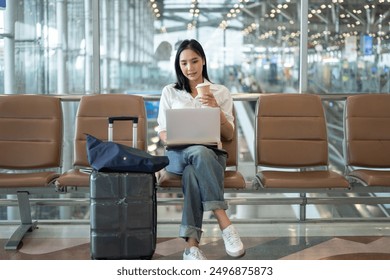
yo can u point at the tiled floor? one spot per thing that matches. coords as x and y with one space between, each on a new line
263 241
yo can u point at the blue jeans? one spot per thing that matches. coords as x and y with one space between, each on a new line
202 172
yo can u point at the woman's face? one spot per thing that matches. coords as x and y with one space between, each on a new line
191 65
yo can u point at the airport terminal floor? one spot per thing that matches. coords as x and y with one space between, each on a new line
350 240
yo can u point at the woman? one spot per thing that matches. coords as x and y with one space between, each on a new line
201 168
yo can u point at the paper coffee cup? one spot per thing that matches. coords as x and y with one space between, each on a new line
202 88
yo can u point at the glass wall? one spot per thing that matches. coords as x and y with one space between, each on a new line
52 43
252 45
349 46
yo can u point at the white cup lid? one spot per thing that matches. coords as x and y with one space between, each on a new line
202 85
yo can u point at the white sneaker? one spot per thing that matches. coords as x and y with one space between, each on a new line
233 244
193 253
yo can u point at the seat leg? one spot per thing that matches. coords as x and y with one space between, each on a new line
25 225
302 207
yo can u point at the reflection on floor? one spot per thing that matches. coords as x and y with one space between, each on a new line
265 241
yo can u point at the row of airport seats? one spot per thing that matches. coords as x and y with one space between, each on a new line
31 142
291 146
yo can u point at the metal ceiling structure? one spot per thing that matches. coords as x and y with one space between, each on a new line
269 22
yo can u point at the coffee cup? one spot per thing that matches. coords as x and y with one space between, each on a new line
202 89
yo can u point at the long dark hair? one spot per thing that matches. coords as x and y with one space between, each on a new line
182 81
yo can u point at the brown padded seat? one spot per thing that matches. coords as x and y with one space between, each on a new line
367 134
372 177
27 180
30 138
291 133
92 118
233 179
73 178
30 148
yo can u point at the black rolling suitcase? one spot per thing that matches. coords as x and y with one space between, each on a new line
123 213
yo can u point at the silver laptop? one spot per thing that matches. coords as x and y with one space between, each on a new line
189 126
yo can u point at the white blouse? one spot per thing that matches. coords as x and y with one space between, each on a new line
172 98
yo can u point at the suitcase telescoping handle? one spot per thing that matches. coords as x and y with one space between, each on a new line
111 121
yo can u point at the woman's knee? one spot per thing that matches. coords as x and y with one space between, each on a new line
201 153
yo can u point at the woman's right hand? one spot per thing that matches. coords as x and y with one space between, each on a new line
163 136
